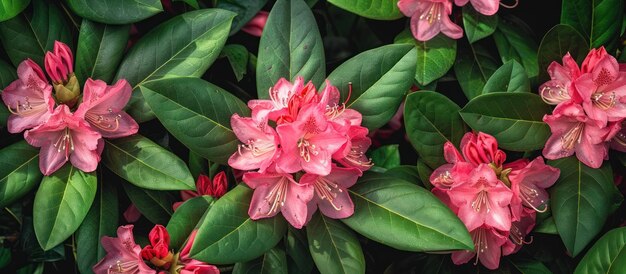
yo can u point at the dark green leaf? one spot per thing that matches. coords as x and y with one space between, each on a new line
197 165
290 46
435 57
380 77
116 11
407 173
186 218
478 26
5 257
9 9
386 156
61 204
560 40
146 164
333 246
273 261
596 20
8 74
581 201
297 249
155 205
510 77
474 65
100 50
514 119
238 58
514 42
373 9
29 246
19 172
527 266
424 172
228 235
607 255
197 113
547 226
192 3
245 10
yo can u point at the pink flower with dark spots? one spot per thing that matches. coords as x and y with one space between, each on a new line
122 254
59 63
487 245
259 146
429 17
331 194
559 88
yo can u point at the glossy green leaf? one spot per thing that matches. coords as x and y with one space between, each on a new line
273 261
478 26
299 258
19 172
380 78
116 11
31 36
431 120
100 50
386 156
61 203
184 46
596 20
547 226
514 119
144 163
192 3
197 113
8 74
185 219
510 77
527 266
237 56
155 205
474 65
424 171
557 42
435 57
9 9
373 9
228 235
101 220
515 42
290 46
607 255
245 10
404 216
334 247
407 173
29 247
581 201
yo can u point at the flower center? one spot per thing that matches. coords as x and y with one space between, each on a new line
327 190
604 78
481 201
102 122
334 111
553 95
276 198
123 267
432 13
256 148
65 142
572 137
307 149
444 179
356 156
27 108
529 195
516 236
603 100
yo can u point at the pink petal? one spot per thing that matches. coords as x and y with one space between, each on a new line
259 206
408 7
295 208
486 7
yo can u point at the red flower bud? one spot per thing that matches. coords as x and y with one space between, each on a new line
159 236
60 63
256 24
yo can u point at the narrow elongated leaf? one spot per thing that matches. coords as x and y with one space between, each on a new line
510 77
373 9
155 205
228 235
380 77
184 46
514 42
474 65
581 201
61 204
595 20
186 218
404 216
515 119
245 11
19 172
273 261
333 246
31 36
290 46
431 120
146 164
435 57
197 113
116 11
100 50
557 42
9 9
607 255
478 26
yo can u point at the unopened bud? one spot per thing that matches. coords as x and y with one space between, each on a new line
68 94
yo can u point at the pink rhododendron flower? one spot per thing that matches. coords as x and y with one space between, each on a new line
65 137
619 141
559 89
204 186
486 7
352 153
255 26
277 108
192 266
260 144
331 194
157 252
59 63
481 148
429 17
487 245
29 98
519 230
122 254
593 58
529 184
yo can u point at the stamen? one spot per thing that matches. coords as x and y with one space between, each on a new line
277 196
432 14
510 6
256 148
65 142
307 149
123 267
327 190
529 195
554 97
355 156
604 101
572 137
482 198
480 242
102 122
444 179
27 108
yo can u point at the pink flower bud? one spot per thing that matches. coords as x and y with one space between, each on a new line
593 58
59 64
256 25
158 235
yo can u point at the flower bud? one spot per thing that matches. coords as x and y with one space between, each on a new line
68 93
59 64
256 24
159 235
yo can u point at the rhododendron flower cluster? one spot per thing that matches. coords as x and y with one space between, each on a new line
53 122
307 161
496 201
125 256
590 108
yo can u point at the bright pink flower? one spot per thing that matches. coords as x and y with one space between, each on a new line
331 194
280 107
529 184
65 136
275 192
29 98
483 199
352 153
260 143
593 58
204 186
559 89
519 230
255 26
60 63
429 17
486 7
103 107
192 266
122 254
482 148
487 245
157 252
573 132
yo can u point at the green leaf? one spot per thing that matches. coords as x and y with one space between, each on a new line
237 56
581 201
116 11
529 266
290 46
478 26
381 213
273 261
386 156
373 9
333 246
515 42
31 36
435 57
100 50
8 74
101 220
146 164
424 172
61 204
510 77
607 255
547 226
184 46
514 119
557 42
30 249
192 3
380 77
9 9
431 120
197 113
595 19
155 205
407 173
299 258
185 219
474 65
19 172
245 10
228 235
